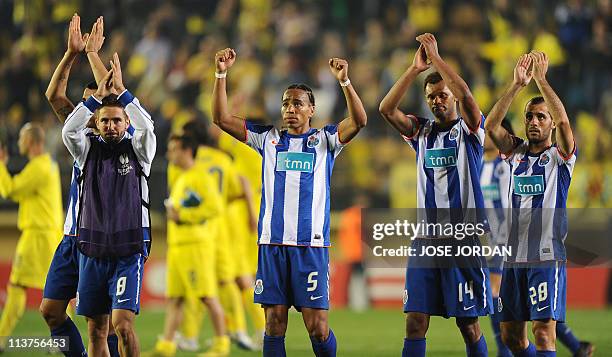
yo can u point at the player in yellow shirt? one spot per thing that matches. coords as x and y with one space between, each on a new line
193 205
220 165
37 190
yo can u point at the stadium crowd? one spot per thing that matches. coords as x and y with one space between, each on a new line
168 50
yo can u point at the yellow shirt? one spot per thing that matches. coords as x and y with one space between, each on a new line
197 200
37 189
220 165
246 160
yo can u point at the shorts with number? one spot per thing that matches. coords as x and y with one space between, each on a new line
33 257
293 276
191 271
533 292
447 286
107 284
225 256
63 275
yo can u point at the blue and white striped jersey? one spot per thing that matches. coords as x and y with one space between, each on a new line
448 171
537 224
495 182
296 174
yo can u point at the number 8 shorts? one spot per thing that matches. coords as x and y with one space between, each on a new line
107 284
293 276
534 292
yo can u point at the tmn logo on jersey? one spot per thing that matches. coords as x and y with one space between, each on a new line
294 161
529 185
124 167
491 192
440 157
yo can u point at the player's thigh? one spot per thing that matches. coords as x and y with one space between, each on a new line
316 321
125 283
514 302
277 317
123 321
272 282
92 297
309 276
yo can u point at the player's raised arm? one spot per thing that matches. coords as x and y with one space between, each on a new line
389 106
564 135
93 45
500 136
221 114
56 91
144 141
467 104
357 119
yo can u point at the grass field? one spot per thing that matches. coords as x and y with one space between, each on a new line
372 333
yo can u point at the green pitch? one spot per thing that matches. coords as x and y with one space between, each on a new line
372 333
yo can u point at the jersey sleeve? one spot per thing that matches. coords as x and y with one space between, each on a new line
520 147
569 160
21 185
479 132
420 123
74 134
334 144
256 134
144 141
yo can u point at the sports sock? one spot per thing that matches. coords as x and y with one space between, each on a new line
502 350
113 345
546 353
414 347
274 346
530 351
75 343
13 310
325 348
478 348
567 337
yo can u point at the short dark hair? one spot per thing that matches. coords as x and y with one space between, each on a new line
305 88
433 78
199 131
535 101
187 142
92 85
111 100
508 126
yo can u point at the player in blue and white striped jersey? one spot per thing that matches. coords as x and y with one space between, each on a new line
534 278
449 156
293 262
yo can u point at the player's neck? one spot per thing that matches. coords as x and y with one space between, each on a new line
540 146
299 131
35 152
187 164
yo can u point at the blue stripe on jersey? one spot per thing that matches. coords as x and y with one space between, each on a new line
452 175
474 151
262 205
330 165
74 196
560 215
278 205
304 220
513 238
430 195
497 204
534 236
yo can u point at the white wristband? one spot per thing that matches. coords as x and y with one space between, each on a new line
345 83
220 75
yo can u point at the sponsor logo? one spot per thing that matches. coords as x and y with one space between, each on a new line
542 308
295 161
544 159
454 133
437 158
405 297
546 250
529 185
122 300
313 141
124 165
258 286
467 308
312 298
491 192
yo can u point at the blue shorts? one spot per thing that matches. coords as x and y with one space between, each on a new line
293 276
458 287
496 263
63 275
108 284
533 293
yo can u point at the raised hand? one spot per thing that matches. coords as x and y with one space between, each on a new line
224 59
540 64
117 79
420 60
429 43
522 71
76 41
96 37
105 86
339 68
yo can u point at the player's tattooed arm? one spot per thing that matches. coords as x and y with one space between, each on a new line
467 104
357 119
222 117
500 136
389 106
564 134
93 46
56 91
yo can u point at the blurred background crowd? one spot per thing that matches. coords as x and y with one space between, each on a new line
167 52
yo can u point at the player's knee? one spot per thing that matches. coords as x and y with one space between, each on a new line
416 325
123 329
318 328
53 315
543 336
97 331
276 324
469 329
512 341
